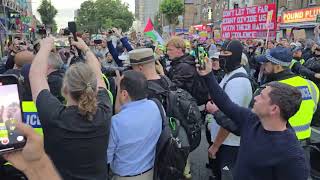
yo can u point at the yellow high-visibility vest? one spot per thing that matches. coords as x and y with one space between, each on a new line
104 77
302 61
301 121
30 116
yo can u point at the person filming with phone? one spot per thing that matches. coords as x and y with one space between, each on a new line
84 120
269 148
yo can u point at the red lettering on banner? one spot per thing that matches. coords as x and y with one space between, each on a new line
249 22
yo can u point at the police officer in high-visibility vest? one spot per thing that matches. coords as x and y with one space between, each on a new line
276 64
297 67
30 116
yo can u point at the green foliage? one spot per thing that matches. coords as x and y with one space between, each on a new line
47 12
104 14
54 27
172 9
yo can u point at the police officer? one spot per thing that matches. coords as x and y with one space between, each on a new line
30 113
277 63
297 65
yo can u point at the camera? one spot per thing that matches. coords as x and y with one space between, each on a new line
66 32
97 41
111 31
42 31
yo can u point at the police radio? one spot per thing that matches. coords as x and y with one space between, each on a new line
10 113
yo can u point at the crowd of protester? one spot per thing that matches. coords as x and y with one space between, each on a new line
126 108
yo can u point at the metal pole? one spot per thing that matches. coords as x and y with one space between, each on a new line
277 10
184 11
4 28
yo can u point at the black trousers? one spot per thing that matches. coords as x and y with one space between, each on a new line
225 161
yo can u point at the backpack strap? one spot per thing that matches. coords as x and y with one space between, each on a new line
166 131
169 83
236 75
157 88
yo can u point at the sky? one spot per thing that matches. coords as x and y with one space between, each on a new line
66 9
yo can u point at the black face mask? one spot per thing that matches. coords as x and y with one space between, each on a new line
223 62
232 62
228 64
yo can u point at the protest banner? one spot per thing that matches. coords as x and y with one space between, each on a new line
249 22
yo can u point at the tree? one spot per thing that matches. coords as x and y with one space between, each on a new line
54 27
86 19
172 9
101 15
47 12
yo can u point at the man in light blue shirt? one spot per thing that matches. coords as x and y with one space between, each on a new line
135 130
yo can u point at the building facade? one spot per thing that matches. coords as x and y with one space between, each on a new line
145 9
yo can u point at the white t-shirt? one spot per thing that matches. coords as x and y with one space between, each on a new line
240 92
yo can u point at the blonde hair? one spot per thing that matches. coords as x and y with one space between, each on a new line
81 83
177 42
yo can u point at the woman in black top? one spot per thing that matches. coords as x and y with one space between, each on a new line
76 134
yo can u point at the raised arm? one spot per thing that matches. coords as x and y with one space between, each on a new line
126 44
123 39
114 53
235 112
38 70
304 71
91 60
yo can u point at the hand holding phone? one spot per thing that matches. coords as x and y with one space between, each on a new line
47 43
31 153
80 44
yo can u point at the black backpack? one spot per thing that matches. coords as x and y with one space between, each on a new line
254 84
172 149
181 106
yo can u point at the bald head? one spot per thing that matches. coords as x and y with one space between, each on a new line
22 58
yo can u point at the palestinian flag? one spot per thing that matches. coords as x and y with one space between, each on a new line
150 32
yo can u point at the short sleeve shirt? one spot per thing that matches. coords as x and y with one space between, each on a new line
75 144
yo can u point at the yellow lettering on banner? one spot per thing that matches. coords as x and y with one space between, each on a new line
301 15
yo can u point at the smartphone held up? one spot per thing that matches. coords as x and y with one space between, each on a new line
201 56
10 113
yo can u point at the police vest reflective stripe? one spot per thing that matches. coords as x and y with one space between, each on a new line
108 87
302 61
301 121
30 116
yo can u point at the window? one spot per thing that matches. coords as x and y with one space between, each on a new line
235 6
312 2
290 4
